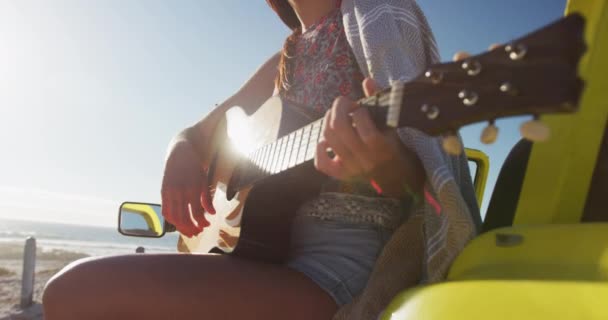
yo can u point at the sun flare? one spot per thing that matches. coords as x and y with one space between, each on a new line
240 133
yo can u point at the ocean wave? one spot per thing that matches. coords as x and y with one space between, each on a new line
48 248
16 234
94 246
90 240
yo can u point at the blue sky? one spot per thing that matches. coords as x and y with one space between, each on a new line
91 92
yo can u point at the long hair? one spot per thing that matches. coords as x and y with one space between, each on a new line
285 12
289 17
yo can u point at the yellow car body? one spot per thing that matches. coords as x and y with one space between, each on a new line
548 264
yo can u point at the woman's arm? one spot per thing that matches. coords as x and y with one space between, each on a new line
254 92
185 185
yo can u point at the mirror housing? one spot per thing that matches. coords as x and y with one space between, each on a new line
137 219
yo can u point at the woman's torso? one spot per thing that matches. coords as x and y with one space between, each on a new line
320 66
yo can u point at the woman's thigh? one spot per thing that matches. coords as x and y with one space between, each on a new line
183 287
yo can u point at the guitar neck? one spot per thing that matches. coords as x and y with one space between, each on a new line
535 74
300 146
285 153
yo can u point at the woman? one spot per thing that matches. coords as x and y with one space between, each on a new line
333 251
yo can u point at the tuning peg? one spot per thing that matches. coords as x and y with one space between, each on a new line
489 133
460 55
535 131
452 145
494 46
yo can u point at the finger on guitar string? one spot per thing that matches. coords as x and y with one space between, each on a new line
197 211
342 154
174 216
227 240
375 143
182 214
342 137
332 167
369 134
205 194
369 87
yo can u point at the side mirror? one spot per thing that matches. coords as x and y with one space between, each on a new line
137 219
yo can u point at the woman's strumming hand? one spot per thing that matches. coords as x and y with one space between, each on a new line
185 187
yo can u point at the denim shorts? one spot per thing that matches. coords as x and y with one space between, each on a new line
336 251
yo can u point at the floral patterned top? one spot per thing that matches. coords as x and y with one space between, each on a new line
324 67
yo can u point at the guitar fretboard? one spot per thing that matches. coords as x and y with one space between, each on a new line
297 147
287 152
515 79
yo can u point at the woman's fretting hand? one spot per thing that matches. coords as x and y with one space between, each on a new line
362 151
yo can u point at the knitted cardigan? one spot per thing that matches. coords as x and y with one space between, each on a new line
391 40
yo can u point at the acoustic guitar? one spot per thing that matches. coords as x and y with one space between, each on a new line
261 164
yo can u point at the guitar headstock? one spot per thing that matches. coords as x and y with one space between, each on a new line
532 75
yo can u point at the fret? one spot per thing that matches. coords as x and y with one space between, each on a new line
304 144
276 166
283 161
321 126
287 152
272 157
313 140
295 148
251 157
259 158
267 157
283 153
276 157
260 162
318 138
254 157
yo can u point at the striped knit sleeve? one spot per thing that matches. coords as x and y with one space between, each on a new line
391 38
392 41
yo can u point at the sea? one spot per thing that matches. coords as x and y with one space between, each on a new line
93 241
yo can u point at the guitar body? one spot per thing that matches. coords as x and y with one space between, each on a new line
256 222
269 210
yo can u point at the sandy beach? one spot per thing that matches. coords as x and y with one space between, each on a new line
48 262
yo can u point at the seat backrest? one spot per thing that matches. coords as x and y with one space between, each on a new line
503 203
597 202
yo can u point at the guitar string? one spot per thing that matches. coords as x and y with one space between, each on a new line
315 126
276 161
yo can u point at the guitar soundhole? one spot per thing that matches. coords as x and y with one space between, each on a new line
231 189
230 194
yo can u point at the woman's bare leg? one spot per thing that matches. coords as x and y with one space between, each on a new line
183 287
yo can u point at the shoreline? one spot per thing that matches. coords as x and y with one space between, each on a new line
57 246
48 263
